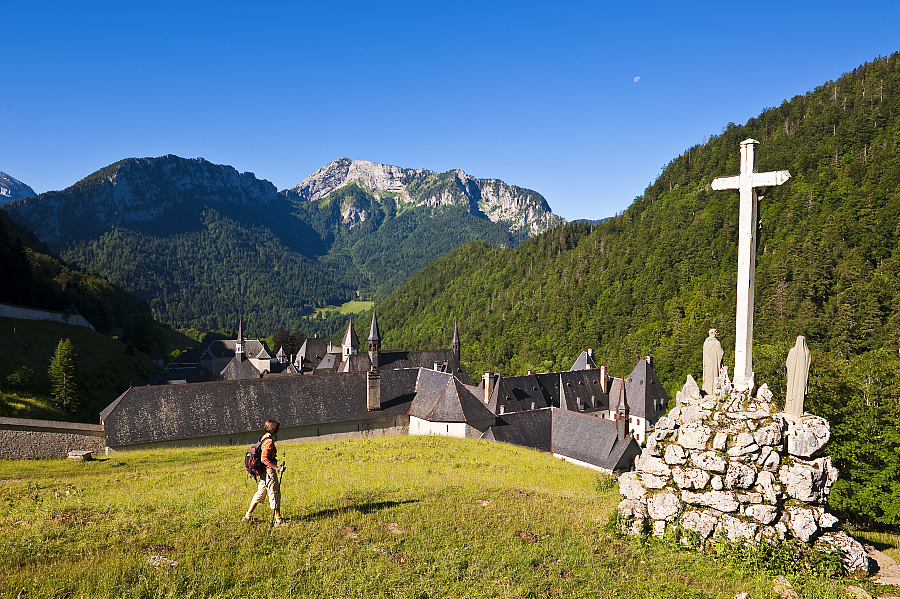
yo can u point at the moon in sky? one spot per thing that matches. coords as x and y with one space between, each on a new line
636 79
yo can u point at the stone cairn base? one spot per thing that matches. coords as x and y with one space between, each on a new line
725 465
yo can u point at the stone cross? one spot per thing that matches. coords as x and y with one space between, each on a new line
747 182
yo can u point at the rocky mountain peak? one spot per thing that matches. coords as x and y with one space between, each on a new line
522 210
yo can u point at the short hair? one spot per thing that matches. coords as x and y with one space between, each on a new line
271 426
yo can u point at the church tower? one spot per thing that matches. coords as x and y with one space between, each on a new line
350 344
374 340
454 345
239 345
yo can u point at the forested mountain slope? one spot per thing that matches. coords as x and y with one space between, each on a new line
202 243
654 279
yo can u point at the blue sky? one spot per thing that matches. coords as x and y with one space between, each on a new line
541 95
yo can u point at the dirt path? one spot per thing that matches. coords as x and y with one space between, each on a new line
888 569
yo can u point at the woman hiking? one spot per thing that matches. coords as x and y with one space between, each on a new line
269 483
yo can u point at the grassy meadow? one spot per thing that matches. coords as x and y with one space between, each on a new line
417 517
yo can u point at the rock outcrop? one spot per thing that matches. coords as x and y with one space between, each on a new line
522 210
728 465
13 189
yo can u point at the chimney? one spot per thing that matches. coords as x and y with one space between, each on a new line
488 380
591 352
622 416
373 390
649 361
604 381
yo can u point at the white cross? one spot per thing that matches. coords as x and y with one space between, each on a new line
747 182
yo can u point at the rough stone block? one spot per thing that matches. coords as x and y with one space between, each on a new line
803 523
652 465
807 435
630 486
739 476
766 514
853 554
720 441
691 389
694 435
722 501
744 444
651 481
736 529
663 506
702 522
690 478
710 460
809 481
717 483
675 455
765 484
769 434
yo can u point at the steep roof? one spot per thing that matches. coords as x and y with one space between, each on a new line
239 370
528 429
374 334
173 412
644 393
592 440
312 351
350 338
441 397
584 361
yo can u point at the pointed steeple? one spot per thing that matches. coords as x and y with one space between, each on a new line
350 344
622 427
454 345
374 337
239 344
374 340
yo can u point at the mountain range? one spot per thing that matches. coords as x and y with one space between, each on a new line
202 242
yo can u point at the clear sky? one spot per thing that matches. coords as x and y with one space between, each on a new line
541 95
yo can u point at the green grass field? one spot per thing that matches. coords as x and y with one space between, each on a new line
391 517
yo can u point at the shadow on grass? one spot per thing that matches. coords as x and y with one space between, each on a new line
362 508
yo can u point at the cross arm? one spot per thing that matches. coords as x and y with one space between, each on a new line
726 182
770 178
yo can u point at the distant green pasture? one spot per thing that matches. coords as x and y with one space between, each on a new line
351 307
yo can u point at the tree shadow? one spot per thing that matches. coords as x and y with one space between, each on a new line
362 508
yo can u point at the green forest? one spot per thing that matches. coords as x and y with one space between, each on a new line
655 278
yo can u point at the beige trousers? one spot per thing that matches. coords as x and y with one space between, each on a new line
271 485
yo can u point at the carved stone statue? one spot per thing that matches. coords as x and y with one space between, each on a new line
798 360
712 361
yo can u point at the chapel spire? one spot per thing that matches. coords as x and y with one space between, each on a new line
239 344
454 345
374 340
350 344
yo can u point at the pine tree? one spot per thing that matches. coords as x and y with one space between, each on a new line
63 375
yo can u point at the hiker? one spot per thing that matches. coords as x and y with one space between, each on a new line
268 483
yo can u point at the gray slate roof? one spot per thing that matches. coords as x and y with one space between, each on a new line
528 429
174 412
644 393
582 387
592 440
584 361
441 397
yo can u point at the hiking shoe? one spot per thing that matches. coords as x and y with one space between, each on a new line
247 520
281 522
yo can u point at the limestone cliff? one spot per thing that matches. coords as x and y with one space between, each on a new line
13 189
521 210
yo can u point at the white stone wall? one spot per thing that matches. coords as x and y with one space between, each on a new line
417 426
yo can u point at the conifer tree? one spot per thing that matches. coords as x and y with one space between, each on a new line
63 375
